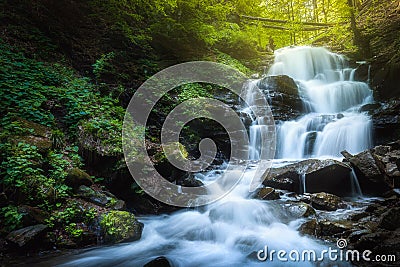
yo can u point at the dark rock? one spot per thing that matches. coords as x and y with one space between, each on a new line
32 215
390 220
279 83
158 262
370 108
100 198
320 176
325 201
190 181
356 235
76 177
370 177
120 226
309 228
267 193
339 116
328 228
300 210
386 121
27 235
283 95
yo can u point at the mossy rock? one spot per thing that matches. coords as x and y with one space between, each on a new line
120 226
76 177
35 135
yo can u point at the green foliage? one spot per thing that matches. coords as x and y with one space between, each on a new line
71 213
117 225
73 230
23 176
103 65
10 218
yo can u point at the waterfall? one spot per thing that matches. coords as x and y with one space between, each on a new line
327 87
232 230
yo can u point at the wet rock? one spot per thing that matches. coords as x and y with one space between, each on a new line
328 228
279 83
325 201
299 210
370 108
283 95
76 177
158 262
190 181
309 228
267 193
320 176
370 177
390 220
120 226
356 235
386 121
100 198
27 235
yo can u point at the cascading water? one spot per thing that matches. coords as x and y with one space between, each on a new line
333 98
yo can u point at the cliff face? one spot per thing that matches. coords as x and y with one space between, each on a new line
379 24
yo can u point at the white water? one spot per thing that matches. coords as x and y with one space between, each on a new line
327 88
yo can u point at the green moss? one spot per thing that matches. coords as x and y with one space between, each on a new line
119 226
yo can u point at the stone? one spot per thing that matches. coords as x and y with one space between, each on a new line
32 215
267 193
309 228
325 201
100 198
328 228
76 177
390 220
370 177
27 235
320 176
120 226
300 210
158 262
190 181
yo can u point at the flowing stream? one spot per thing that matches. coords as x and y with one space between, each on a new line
231 231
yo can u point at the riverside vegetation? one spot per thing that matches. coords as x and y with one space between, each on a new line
69 68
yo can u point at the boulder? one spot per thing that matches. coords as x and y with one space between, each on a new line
190 181
328 228
320 176
120 226
309 228
390 220
26 236
32 215
300 210
267 193
283 95
279 83
325 201
158 262
39 135
76 177
100 198
370 176
386 121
